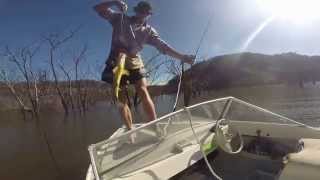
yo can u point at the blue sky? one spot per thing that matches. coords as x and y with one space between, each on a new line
179 22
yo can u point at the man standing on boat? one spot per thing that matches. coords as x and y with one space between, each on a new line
129 35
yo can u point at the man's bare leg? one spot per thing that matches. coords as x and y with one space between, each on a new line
141 88
126 114
125 110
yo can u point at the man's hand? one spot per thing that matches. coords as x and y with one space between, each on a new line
104 8
188 59
123 7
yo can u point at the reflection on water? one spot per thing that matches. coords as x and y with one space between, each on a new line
24 154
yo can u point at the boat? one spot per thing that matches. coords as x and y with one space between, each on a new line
242 141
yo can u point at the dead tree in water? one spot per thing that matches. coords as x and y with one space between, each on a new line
70 87
10 85
44 84
55 41
81 87
23 61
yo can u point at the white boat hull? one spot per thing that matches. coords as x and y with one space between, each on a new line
157 159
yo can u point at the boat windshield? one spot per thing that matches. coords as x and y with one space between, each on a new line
127 152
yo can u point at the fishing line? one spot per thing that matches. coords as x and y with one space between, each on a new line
201 148
178 89
214 174
182 64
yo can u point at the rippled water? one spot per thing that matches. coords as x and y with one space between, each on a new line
25 155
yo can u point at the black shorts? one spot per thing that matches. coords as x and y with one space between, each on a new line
134 75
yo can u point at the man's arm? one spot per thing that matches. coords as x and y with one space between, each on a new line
164 48
105 11
175 54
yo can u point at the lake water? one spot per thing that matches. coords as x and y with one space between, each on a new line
24 154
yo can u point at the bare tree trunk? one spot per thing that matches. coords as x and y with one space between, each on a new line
36 97
12 90
55 41
80 94
21 61
69 93
56 82
84 99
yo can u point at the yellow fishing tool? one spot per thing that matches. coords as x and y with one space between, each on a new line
118 72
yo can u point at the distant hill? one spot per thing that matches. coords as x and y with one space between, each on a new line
243 69
253 69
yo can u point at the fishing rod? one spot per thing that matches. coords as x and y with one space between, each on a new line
214 174
183 68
